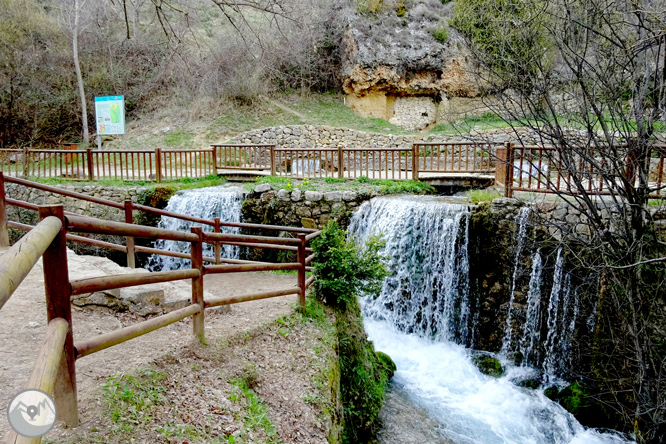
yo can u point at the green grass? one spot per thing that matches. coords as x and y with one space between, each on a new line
483 122
330 109
362 184
178 139
478 196
183 184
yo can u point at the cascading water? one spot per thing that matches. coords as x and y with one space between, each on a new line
419 321
428 289
206 203
531 329
521 221
551 362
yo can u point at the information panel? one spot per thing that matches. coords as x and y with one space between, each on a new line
110 114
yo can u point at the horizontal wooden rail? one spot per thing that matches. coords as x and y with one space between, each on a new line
18 260
148 250
101 342
98 226
311 236
309 259
227 300
45 371
236 268
157 211
221 237
309 281
68 193
257 245
91 285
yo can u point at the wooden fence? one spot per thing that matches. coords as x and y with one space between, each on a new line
351 163
340 162
544 169
59 352
127 165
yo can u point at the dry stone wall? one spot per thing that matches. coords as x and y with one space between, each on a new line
321 136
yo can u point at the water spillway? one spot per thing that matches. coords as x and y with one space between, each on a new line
426 318
206 203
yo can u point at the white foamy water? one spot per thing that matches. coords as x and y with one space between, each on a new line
205 203
471 407
422 315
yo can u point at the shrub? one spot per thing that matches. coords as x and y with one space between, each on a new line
440 33
344 269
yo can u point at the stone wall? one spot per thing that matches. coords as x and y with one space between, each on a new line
39 197
309 209
414 113
321 136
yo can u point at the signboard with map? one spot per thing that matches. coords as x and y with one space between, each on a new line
110 115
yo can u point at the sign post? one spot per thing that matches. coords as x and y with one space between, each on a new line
110 116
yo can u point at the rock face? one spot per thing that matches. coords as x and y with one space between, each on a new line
394 68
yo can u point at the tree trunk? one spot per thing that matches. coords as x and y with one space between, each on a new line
79 77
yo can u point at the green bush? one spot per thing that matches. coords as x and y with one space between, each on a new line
440 33
344 269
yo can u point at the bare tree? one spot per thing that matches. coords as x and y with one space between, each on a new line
589 79
78 4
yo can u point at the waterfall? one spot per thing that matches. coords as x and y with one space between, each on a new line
531 329
206 203
427 291
521 220
424 316
550 363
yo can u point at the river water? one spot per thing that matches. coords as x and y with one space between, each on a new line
422 319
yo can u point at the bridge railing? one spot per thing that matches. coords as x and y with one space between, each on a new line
545 169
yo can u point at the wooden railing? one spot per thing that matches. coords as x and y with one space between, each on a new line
59 352
383 163
544 169
340 162
126 165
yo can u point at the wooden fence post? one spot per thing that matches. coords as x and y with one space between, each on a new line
301 271
340 162
129 240
58 292
158 165
508 181
4 234
272 149
216 245
89 161
196 250
26 160
214 159
415 162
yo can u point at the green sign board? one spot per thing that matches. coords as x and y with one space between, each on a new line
110 115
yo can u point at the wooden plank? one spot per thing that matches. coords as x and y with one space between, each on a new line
196 251
129 240
101 342
98 226
4 234
237 268
91 285
301 270
58 305
227 300
49 362
18 260
212 237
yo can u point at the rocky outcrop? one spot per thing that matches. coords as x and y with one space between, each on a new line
404 50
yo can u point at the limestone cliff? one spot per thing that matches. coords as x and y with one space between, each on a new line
400 59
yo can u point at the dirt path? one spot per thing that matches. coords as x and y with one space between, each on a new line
23 326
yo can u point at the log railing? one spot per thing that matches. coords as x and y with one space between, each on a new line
57 356
545 169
